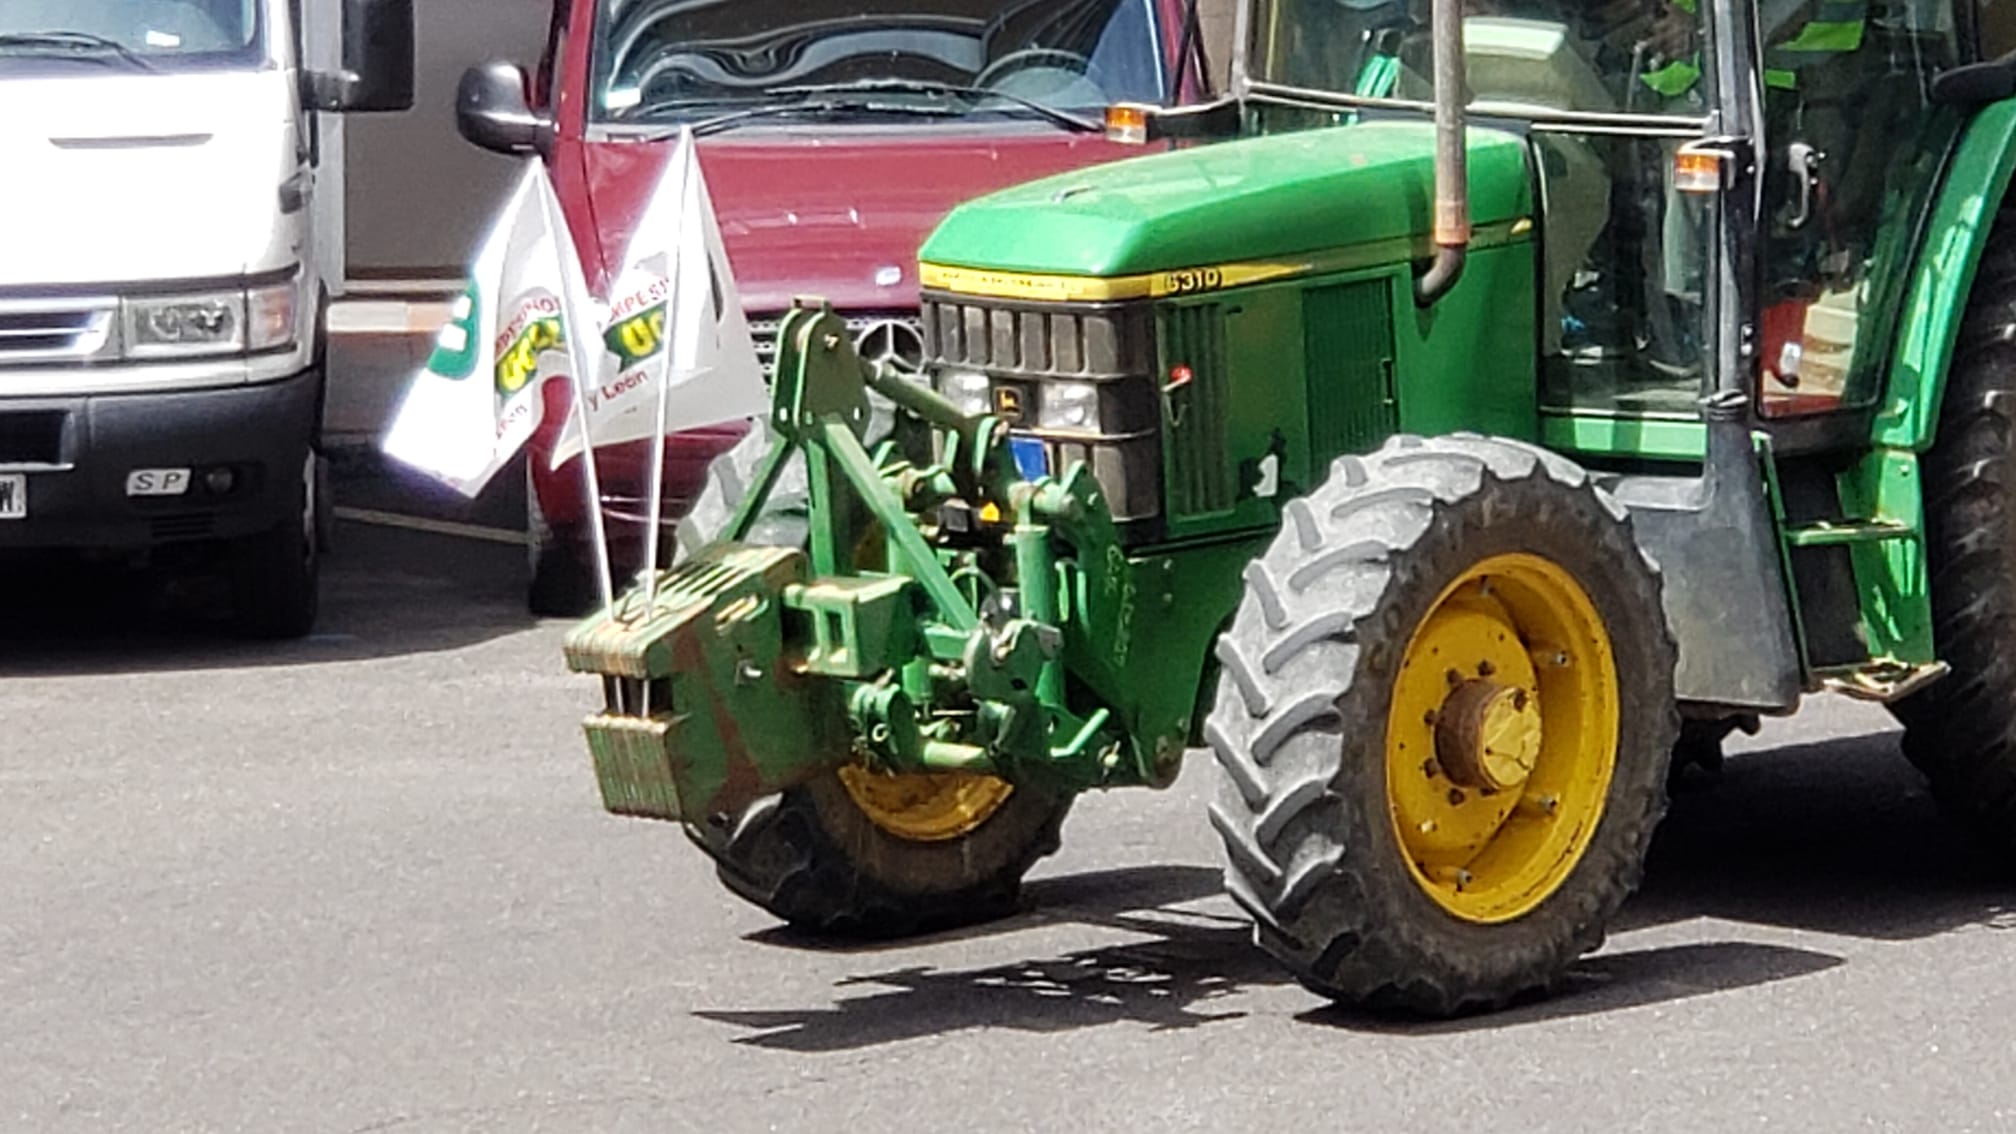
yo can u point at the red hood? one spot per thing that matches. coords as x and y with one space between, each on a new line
836 213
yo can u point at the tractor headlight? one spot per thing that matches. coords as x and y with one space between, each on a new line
966 389
1072 406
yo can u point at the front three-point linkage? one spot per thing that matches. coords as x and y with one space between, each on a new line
952 656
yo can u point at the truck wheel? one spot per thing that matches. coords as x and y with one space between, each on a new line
276 575
855 852
1443 726
1957 731
562 584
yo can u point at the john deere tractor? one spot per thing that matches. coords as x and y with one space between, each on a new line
1476 409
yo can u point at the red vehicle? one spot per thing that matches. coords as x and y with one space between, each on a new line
834 135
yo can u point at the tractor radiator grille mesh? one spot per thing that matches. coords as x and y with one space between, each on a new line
1200 477
1347 340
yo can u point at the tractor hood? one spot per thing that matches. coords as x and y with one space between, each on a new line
1255 198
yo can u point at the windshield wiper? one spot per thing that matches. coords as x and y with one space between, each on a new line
1062 118
808 106
74 42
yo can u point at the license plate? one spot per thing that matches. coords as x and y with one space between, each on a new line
1032 460
13 496
157 482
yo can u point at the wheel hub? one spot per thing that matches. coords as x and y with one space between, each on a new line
1502 738
1487 735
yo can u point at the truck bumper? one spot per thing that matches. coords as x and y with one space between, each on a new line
76 454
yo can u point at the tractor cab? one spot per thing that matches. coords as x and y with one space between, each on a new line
1837 136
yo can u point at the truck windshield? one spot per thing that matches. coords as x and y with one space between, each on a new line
666 60
144 35
1630 57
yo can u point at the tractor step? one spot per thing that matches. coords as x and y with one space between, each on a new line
1834 534
1882 682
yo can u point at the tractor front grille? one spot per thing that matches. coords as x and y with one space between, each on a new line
1020 346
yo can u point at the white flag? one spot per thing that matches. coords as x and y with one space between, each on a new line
478 399
676 261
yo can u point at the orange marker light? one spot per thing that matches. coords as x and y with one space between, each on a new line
1127 124
1697 171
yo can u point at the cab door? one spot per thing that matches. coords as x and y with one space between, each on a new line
1853 150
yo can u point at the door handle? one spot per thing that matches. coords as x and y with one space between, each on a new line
1803 161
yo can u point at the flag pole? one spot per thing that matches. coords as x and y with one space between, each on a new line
673 271
604 574
580 328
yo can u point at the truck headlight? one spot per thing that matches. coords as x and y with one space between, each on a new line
212 323
1072 406
967 390
186 325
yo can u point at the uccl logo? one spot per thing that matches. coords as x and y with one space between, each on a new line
533 331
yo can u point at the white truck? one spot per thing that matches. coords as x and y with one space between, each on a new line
162 285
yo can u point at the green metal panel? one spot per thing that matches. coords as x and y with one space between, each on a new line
1659 439
1891 574
1236 201
1231 454
1469 361
1961 219
1145 649
1347 360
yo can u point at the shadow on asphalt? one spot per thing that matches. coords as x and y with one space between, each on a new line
1837 838
385 593
1169 981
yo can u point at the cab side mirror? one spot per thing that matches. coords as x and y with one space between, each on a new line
377 74
1976 84
491 111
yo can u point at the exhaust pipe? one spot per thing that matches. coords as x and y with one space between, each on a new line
1452 173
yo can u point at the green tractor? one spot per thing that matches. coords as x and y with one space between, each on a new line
1478 408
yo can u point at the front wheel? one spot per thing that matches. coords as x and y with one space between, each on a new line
276 575
1443 726
853 851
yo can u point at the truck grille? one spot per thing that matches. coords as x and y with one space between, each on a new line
879 336
55 330
32 437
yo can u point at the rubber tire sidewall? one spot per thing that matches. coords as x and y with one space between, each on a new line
560 584
1527 953
1299 722
276 574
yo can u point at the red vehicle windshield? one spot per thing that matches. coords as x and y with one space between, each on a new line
673 60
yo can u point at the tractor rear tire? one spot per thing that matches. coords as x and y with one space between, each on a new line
814 855
1339 667
1961 731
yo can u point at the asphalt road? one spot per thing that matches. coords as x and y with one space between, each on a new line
362 883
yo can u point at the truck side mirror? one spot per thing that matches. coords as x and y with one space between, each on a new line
491 112
378 65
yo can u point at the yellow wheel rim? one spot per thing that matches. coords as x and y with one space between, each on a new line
1502 738
925 807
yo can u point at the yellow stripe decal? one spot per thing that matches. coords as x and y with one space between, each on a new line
1192 281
